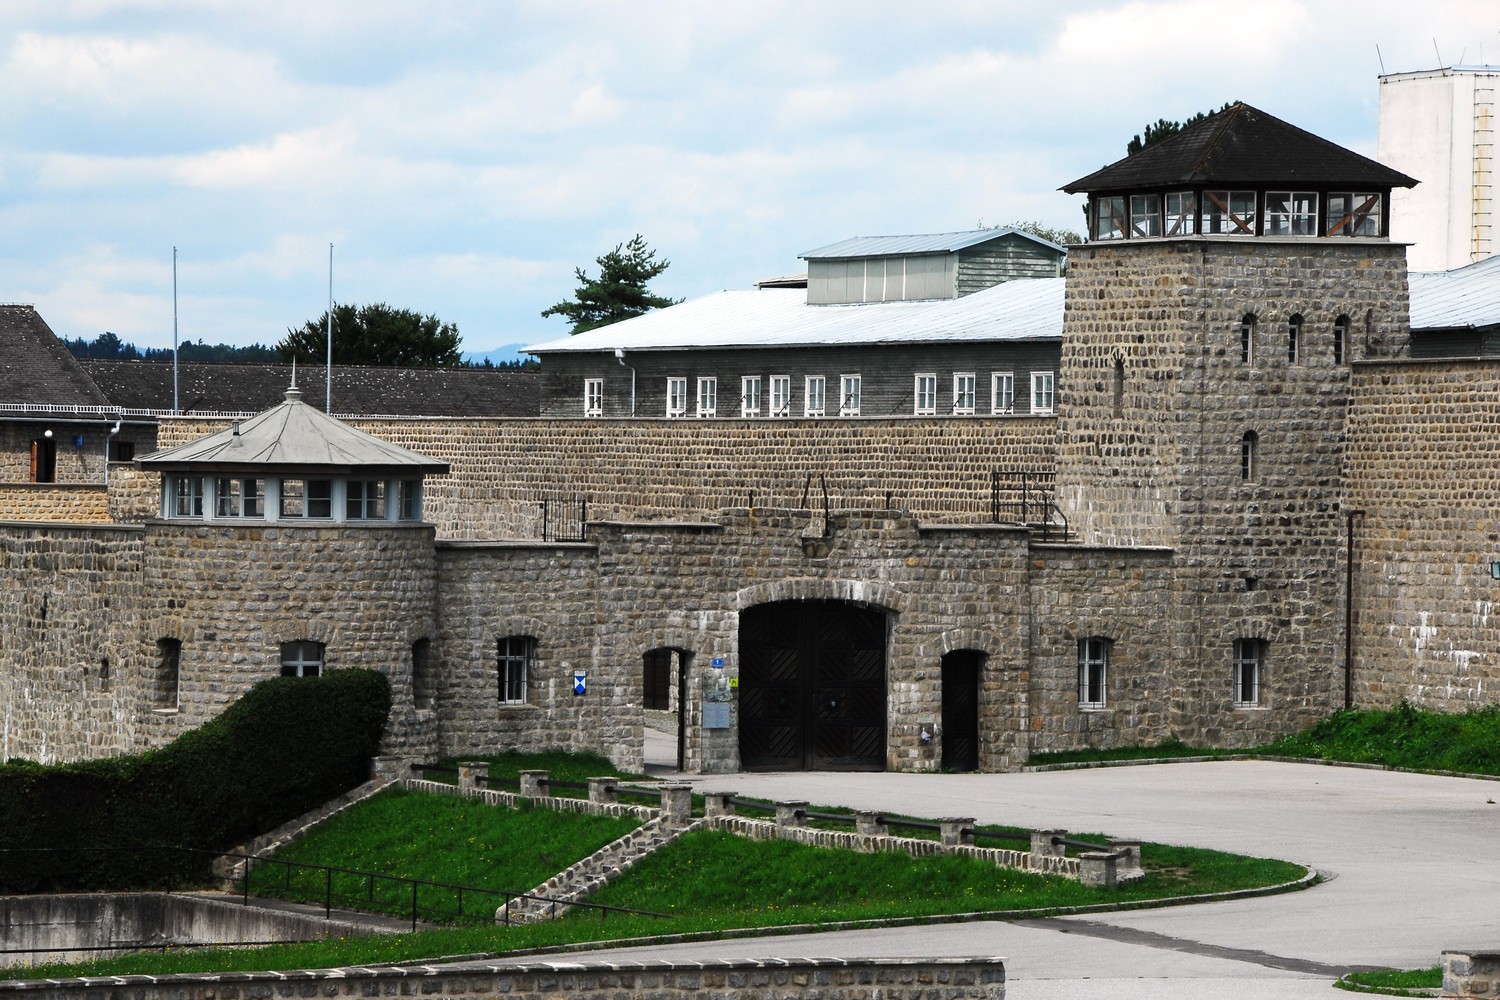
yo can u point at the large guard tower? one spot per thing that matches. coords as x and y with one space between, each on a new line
1231 275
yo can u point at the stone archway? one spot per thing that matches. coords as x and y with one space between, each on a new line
812 686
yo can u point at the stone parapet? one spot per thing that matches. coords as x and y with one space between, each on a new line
53 502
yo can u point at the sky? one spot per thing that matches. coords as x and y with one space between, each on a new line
463 157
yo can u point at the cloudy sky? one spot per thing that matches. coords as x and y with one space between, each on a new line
464 156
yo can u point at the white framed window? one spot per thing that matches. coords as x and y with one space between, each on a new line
1291 213
515 658
1250 457
677 397
1003 392
963 393
781 395
1247 338
750 396
303 658
1043 392
1353 214
1109 217
1340 339
708 397
1228 213
306 498
1145 215
815 393
187 496
364 500
924 395
1182 213
593 397
1093 671
1249 662
849 389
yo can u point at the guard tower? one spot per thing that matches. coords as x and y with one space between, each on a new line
1231 275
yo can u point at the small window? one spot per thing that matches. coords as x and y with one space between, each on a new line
1353 214
676 397
849 389
516 660
963 393
121 451
1249 459
1093 670
750 396
708 397
239 497
1182 213
815 396
365 500
593 397
303 658
1293 339
1340 339
1145 215
1247 338
421 673
1043 392
306 498
187 496
1228 213
409 499
1249 663
781 395
1003 392
1118 401
168 672
1291 213
925 395
1109 217
44 459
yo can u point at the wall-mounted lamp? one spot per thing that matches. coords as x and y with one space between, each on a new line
47 434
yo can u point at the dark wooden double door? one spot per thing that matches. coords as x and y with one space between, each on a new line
812 687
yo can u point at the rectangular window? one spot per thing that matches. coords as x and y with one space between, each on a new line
301 659
409 499
226 498
963 393
1248 657
516 657
1353 214
849 388
1228 213
1093 670
187 496
168 672
814 396
593 397
750 396
925 395
708 397
781 395
1043 392
676 397
1145 215
1003 392
365 500
1291 213
121 451
1109 217
1182 213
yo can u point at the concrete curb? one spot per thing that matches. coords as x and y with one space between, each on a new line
1086 765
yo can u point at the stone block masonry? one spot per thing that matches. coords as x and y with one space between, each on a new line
740 979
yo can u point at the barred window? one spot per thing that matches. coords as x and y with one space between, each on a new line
1093 670
516 657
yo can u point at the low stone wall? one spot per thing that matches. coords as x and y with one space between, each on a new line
1471 973
54 502
743 979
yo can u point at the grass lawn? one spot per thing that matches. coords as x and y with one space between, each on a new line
1399 982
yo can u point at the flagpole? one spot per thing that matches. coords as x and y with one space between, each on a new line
328 369
174 331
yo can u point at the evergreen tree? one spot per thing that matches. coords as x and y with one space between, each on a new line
619 292
375 335
1163 129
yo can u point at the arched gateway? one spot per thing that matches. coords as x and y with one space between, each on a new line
812 687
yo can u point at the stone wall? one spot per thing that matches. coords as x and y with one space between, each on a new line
578 976
51 502
1422 468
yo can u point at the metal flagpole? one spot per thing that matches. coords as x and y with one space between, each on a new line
174 331
328 369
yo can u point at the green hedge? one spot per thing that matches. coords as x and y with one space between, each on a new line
286 747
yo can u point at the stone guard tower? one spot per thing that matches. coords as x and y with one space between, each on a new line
1232 274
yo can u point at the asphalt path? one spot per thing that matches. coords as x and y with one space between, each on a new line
1412 864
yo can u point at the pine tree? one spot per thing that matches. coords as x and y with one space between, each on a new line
619 292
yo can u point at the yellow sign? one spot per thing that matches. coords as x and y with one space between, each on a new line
734 682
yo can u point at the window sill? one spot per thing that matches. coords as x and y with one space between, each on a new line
518 706
165 711
1093 708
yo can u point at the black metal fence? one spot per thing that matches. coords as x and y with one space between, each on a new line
1026 496
564 520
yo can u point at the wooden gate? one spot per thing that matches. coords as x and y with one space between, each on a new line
812 687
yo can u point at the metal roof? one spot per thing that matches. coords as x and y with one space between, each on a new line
293 436
1024 309
1464 298
895 246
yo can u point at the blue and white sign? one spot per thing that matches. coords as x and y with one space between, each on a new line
718 663
580 682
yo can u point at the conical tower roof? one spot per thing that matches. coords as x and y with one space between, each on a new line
293 437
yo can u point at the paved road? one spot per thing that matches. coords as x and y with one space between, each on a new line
1413 865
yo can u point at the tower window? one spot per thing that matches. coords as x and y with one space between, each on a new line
516 659
1249 656
1093 668
1247 338
1145 215
1249 460
1340 338
1109 217
168 672
1353 214
1291 213
1228 213
1293 338
1182 213
1119 393
303 658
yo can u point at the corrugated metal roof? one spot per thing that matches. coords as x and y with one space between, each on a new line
895 246
293 436
1465 298
1025 309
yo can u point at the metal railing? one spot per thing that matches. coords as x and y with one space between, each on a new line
564 520
1027 496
